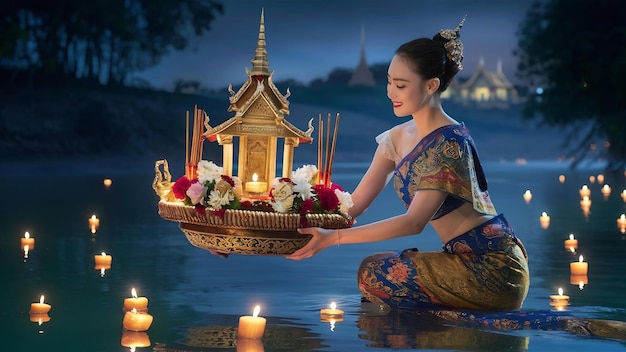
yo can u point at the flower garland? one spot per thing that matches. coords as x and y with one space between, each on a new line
300 194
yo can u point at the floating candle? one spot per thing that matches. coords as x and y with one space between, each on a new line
27 241
579 268
562 178
40 308
560 301
107 182
584 191
621 223
134 339
251 327
592 179
138 303
94 223
623 194
39 318
331 312
600 178
606 191
137 321
544 220
528 196
571 244
103 260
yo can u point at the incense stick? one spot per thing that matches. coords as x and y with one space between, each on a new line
319 149
186 141
327 152
332 150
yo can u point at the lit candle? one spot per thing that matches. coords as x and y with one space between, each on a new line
251 327
138 303
562 178
623 194
606 191
27 241
103 260
560 301
39 318
256 186
571 244
621 223
137 321
134 339
600 178
527 196
544 220
39 308
592 179
578 268
107 182
584 191
250 345
585 206
94 223
331 312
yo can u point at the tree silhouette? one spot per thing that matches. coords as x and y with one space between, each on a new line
98 40
574 53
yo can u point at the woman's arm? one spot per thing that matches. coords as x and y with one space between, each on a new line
424 204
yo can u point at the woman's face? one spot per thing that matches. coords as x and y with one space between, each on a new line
405 88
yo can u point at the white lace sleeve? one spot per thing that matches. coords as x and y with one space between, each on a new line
386 146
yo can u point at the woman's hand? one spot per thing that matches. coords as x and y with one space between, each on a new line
322 238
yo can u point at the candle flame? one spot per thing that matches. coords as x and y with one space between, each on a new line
544 214
104 254
256 312
584 187
580 259
26 234
41 299
133 293
622 217
93 217
333 305
571 236
255 177
560 291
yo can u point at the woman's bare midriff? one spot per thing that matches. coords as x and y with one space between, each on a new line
458 222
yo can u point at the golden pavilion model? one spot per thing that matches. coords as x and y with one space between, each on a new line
253 212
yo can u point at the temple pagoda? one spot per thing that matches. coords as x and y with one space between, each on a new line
259 122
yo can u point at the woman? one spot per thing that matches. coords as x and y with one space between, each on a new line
437 174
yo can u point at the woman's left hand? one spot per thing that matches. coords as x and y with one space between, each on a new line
322 238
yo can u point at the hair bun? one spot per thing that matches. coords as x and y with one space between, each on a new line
452 43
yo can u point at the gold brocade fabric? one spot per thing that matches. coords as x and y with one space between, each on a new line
445 160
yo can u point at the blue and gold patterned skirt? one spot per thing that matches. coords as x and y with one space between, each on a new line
483 269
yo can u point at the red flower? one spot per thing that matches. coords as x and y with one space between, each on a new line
200 209
307 206
180 187
246 204
328 198
228 179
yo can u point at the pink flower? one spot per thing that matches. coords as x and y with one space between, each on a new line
196 192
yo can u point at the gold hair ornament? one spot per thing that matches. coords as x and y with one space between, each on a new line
453 46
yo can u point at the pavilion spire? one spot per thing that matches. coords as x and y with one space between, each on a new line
260 65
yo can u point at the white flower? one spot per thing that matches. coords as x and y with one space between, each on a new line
306 173
284 205
303 188
196 193
208 171
216 200
345 200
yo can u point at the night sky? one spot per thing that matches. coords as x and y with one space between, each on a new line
308 39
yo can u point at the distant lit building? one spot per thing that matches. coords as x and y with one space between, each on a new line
362 76
484 89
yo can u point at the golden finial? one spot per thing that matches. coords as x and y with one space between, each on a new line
260 65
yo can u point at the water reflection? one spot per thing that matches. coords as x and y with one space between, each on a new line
397 329
280 335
